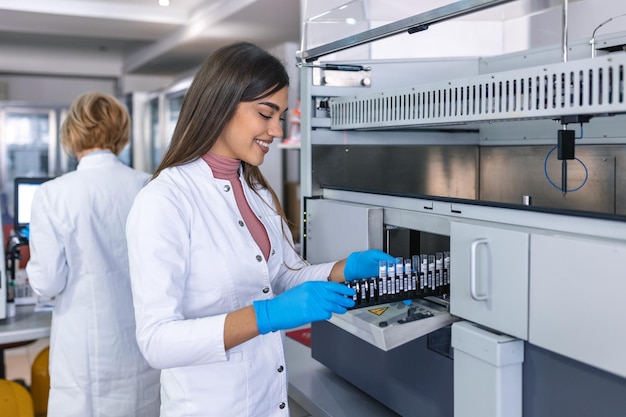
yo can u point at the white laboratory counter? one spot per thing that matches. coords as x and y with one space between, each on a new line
323 393
25 325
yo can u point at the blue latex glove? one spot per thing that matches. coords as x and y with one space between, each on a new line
311 301
361 265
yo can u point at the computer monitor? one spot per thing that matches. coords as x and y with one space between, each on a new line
24 192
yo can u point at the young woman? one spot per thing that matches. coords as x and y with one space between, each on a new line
78 254
214 274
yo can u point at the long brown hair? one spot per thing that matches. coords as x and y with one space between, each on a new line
239 72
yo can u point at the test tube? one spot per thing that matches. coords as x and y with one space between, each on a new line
391 280
382 281
399 275
431 272
382 269
416 274
373 290
439 271
408 278
364 291
424 274
446 268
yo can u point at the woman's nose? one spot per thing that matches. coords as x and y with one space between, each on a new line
276 129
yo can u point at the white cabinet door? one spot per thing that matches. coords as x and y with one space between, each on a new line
577 299
489 277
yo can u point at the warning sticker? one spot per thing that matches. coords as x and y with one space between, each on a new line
378 311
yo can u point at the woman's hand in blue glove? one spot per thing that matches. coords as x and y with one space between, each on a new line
305 303
361 265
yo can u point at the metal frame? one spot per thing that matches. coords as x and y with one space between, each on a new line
411 24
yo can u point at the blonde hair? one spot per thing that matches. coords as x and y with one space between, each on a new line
95 120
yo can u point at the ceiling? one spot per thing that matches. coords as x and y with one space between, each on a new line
151 39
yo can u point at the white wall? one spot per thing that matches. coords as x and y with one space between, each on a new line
454 38
52 90
55 61
584 17
131 82
56 76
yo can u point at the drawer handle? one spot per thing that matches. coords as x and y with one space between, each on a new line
473 252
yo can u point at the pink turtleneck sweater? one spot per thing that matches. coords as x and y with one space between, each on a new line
228 169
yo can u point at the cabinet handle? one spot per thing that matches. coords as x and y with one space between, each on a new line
473 251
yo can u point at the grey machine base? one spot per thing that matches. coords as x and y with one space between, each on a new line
416 379
411 379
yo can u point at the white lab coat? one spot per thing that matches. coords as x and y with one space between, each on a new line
79 254
192 261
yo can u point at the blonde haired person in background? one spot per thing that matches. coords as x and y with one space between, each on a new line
78 254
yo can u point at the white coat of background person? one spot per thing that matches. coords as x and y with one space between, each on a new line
79 255
215 276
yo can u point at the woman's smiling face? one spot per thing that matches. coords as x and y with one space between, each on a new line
252 129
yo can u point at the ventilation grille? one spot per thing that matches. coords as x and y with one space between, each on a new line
584 87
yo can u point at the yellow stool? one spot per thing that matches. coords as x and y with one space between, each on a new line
15 401
40 382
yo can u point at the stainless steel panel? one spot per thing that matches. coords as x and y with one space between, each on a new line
501 174
448 171
509 173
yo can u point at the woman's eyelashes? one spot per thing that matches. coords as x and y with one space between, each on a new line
268 117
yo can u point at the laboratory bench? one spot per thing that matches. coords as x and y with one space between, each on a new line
26 326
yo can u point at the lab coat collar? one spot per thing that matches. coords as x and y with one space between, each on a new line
98 159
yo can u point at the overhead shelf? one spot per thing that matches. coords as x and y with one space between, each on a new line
586 87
